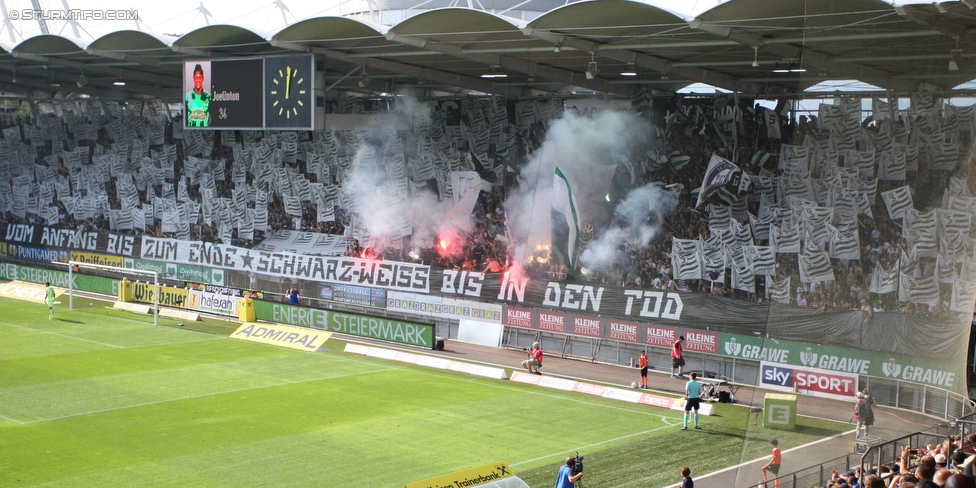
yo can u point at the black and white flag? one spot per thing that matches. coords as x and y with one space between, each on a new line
898 201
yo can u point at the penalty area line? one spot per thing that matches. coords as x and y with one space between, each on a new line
62 335
595 444
11 419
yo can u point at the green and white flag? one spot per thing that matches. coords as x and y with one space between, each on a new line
759 159
680 161
565 221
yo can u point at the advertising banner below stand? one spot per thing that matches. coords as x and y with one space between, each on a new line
811 381
168 296
344 323
357 295
37 253
94 284
284 313
212 302
442 307
842 360
100 259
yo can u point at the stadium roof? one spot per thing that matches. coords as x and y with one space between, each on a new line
758 47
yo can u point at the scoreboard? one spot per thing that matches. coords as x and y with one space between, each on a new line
250 93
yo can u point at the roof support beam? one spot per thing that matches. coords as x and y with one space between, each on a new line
132 58
510 63
810 57
474 84
192 51
938 22
655 63
47 60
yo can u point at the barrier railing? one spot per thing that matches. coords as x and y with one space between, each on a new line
815 475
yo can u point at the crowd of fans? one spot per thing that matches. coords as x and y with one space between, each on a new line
487 248
948 465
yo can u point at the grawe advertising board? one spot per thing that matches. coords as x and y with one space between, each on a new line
817 382
842 360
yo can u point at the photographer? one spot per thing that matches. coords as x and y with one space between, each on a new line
568 475
535 359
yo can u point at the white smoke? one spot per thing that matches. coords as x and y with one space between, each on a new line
577 145
638 220
388 208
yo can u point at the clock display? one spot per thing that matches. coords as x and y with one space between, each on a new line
288 92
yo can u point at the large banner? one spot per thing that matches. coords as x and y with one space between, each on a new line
343 270
53 237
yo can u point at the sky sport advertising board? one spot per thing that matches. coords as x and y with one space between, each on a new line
811 381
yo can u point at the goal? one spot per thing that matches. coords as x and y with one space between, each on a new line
81 274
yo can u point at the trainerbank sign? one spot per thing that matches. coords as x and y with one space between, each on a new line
868 363
345 323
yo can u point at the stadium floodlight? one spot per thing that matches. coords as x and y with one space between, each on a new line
153 275
955 59
592 69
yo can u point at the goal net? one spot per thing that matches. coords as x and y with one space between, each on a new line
96 286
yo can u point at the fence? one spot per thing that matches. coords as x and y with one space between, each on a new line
818 474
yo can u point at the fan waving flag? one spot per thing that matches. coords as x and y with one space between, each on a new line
680 161
723 175
565 221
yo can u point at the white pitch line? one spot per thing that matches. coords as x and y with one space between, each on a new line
116 346
11 419
595 444
737 466
62 335
193 397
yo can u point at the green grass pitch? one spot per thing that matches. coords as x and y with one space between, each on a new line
98 398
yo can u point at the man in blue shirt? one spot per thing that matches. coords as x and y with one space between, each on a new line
692 399
566 478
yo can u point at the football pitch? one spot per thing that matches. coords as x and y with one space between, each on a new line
103 398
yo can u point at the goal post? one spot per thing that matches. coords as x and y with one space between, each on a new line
149 276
